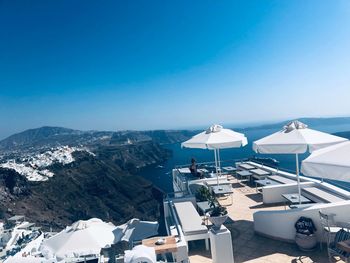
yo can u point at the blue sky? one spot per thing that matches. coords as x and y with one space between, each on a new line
113 65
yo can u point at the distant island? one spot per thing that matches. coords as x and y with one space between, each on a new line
312 122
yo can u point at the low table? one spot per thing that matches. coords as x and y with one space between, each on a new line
294 199
264 182
246 166
344 245
223 190
244 173
229 169
259 173
169 246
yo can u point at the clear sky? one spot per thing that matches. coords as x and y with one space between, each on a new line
147 64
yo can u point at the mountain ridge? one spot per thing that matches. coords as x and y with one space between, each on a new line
42 135
51 136
310 121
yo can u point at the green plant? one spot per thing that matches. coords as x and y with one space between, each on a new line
218 211
203 194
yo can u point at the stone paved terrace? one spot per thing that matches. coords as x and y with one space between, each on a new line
248 246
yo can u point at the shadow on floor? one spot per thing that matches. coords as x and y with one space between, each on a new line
237 185
249 246
257 197
197 249
264 206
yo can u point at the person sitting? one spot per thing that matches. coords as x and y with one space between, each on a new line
194 170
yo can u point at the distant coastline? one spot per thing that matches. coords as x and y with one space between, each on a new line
116 157
162 177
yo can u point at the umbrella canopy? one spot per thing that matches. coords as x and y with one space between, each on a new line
295 138
332 162
79 239
136 230
216 137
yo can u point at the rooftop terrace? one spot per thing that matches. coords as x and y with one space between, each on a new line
248 246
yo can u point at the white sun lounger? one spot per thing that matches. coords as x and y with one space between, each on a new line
281 179
320 195
191 223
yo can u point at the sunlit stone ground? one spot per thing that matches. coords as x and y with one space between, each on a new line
249 247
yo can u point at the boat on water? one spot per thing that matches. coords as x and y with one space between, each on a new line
265 160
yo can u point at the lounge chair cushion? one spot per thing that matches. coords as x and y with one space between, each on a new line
323 195
190 220
281 179
300 206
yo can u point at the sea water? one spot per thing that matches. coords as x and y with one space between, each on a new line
161 175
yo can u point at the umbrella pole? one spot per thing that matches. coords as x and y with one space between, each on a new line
216 167
219 162
297 167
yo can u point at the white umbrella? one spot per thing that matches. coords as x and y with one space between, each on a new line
79 239
332 162
136 230
295 138
216 138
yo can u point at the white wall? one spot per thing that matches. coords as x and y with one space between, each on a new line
280 224
273 193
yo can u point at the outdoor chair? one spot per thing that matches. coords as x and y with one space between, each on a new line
204 209
344 225
328 228
333 250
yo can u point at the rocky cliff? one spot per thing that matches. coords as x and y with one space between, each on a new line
92 175
92 186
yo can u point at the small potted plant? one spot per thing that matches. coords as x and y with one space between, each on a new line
305 236
218 214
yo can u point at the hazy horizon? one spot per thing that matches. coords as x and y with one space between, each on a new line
231 125
149 65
